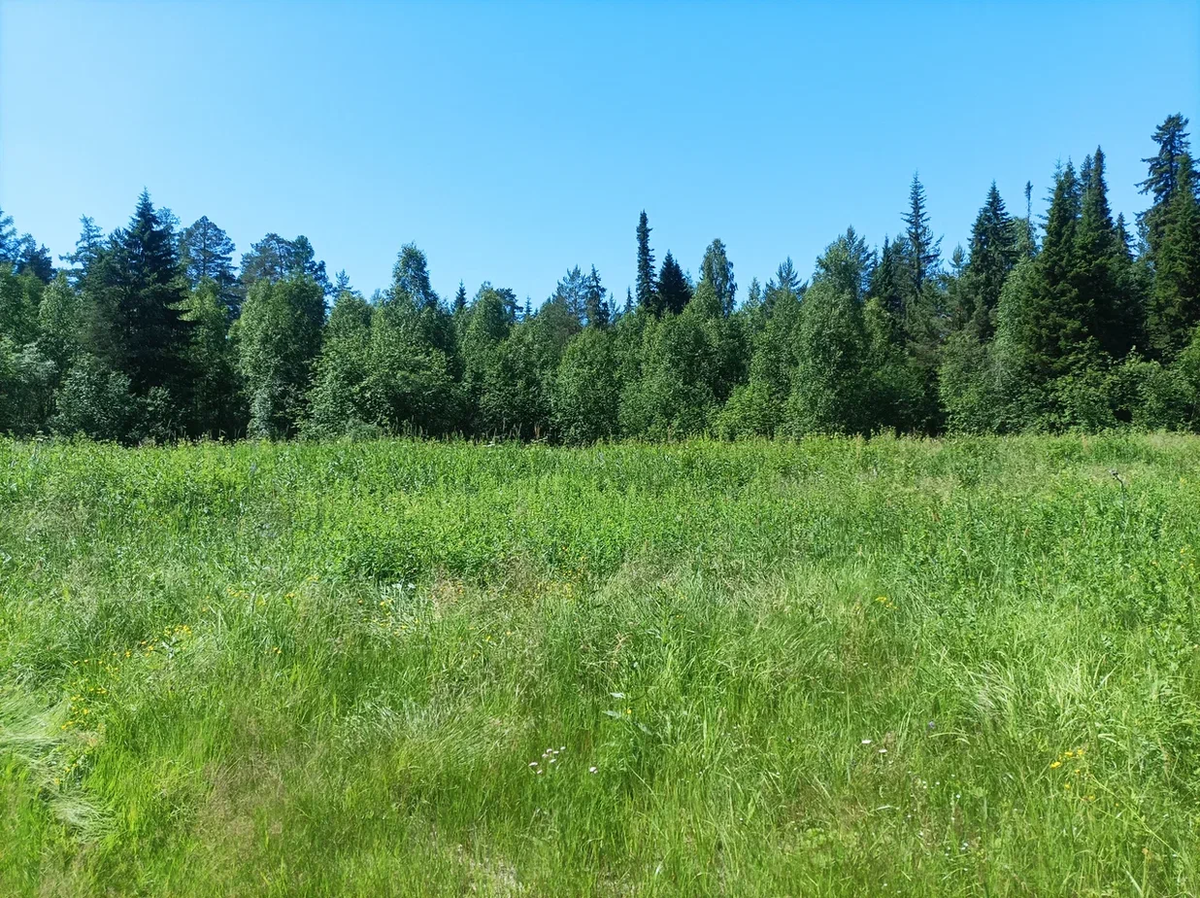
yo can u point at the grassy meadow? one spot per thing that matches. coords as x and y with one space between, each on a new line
833 667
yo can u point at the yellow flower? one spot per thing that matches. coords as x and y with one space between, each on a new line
1056 765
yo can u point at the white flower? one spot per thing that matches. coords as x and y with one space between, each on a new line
883 751
533 763
866 742
593 770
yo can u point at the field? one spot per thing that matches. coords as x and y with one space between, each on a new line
834 667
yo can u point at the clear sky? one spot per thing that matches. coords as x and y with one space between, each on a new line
511 141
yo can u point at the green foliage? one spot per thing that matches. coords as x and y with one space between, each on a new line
829 385
214 390
586 391
1078 330
97 402
278 337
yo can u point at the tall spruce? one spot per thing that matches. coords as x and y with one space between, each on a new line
647 295
595 303
1100 275
923 249
1166 175
992 256
1056 318
143 293
1175 302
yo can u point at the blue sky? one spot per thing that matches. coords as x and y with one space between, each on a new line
511 141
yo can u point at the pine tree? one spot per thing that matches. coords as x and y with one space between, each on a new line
647 296
460 299
206 252
674 291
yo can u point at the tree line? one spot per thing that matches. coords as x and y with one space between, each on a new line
1076 321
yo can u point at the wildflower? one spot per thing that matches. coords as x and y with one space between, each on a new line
1056 765
533 763
593 770
883 751
866 742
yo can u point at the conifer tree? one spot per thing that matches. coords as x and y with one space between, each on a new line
87 249
1100 275
923 250
143 290
1165 177
993 255
1175 302
595 305
674 291
647 295
206 252
1056 317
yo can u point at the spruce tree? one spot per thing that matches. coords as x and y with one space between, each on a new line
647 296
674 291
143 292
923 249
1165 176
1175 302
992 256
596 311
1056 318
1100 267
87 249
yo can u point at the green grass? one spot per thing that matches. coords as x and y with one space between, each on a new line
326 669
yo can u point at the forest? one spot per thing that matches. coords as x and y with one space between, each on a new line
1078 320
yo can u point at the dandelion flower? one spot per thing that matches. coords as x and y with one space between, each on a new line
1056 765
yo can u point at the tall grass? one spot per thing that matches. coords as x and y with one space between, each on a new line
401 668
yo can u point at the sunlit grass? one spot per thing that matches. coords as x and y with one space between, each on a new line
828 668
